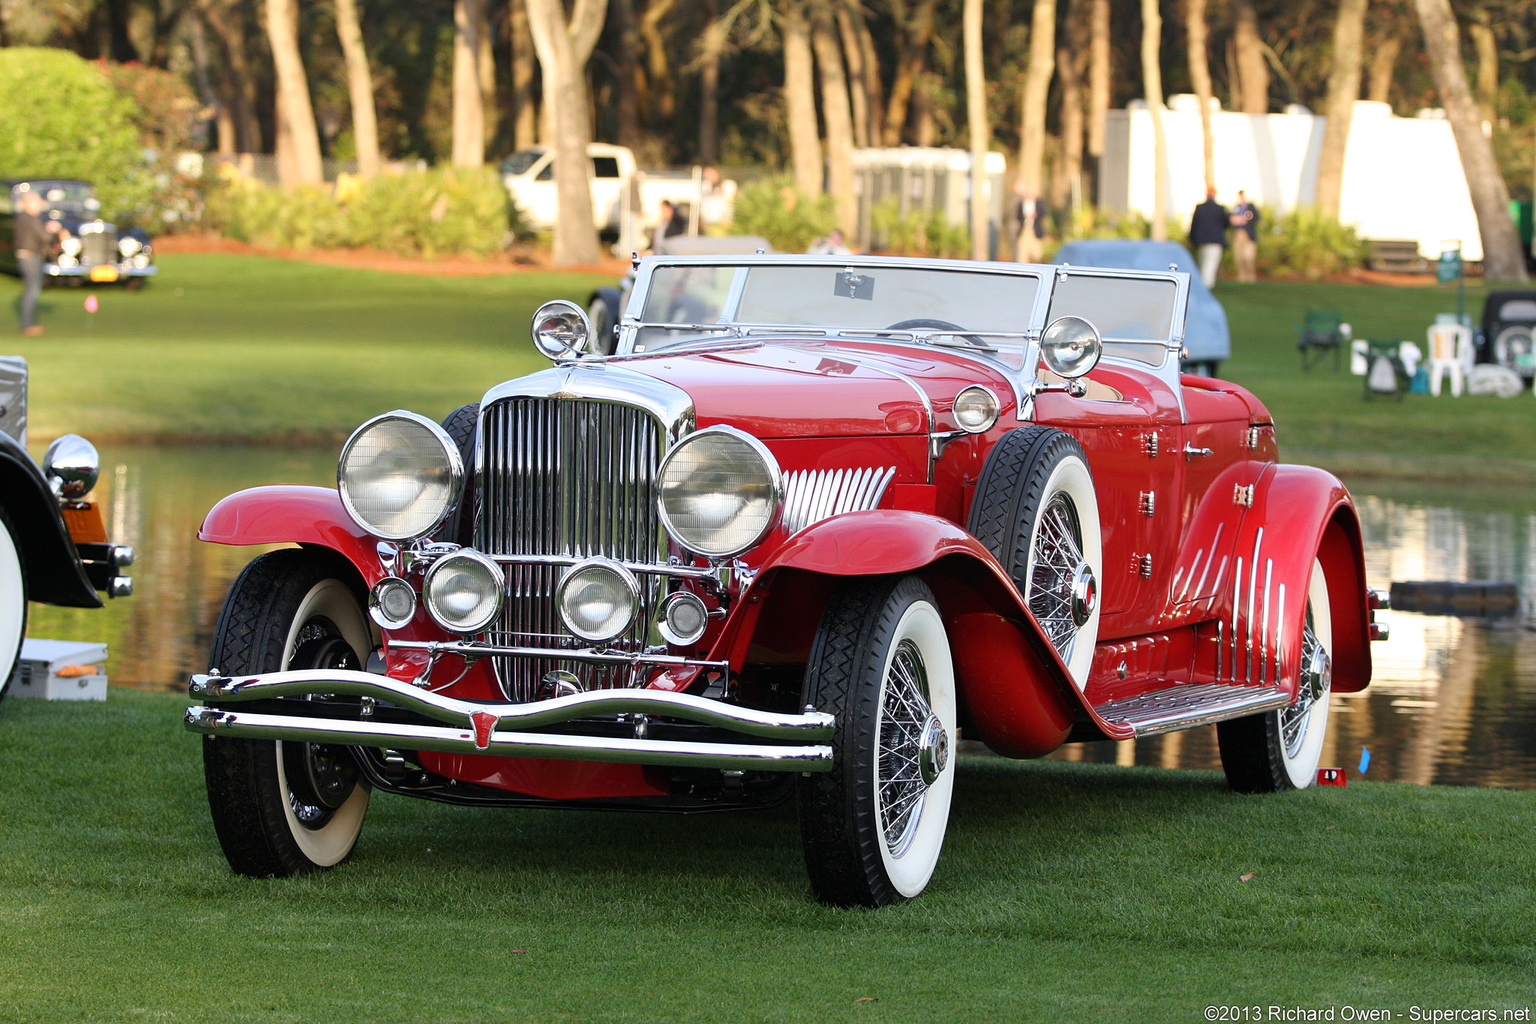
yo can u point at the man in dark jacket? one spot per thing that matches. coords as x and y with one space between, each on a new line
32 245
1208 236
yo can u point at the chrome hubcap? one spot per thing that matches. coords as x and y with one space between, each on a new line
1061 585
1316 681
913 748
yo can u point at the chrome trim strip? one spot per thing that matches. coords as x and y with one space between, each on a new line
1237 604
605 382
811 725
729 756
1269 571
1279 644
1215 546
586 655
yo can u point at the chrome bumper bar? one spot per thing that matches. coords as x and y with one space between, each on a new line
470 727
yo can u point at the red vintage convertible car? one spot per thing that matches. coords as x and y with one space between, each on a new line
812 520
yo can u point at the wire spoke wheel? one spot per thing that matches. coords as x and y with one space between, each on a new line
873 826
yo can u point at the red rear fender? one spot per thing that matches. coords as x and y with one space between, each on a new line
291 514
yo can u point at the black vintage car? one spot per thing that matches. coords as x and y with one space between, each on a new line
1509 331
53 546
95 250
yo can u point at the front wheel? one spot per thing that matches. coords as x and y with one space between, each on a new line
13 603
285 808
1277 750
872 828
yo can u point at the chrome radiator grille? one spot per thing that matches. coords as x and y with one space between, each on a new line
98 247
568 478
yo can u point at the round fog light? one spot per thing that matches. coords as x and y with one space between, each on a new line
392 603
683 618
597 599
463 591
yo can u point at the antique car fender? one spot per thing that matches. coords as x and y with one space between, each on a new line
293 514
54 572
1015 690
1298 513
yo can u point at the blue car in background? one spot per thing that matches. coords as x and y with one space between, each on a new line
1206 339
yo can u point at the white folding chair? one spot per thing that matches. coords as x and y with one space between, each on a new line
1450 354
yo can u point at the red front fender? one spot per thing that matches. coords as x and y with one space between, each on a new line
292 514
1017 692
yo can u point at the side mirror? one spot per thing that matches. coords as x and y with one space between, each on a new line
561 330
1070 346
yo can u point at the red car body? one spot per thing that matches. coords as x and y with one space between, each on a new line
1202 602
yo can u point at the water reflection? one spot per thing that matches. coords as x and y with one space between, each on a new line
1452 701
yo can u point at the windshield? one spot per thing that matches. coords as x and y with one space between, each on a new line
1134 315
72 197
520 161
965 308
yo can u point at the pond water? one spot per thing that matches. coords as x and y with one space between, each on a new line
1452 701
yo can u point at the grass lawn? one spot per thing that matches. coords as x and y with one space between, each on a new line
238 348
241 348
1066 893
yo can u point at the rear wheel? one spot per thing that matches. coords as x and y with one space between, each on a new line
284 808
872 828
1280 749
13 603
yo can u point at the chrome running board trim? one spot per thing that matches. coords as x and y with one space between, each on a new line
1195 704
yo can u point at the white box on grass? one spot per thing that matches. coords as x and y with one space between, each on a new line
37 673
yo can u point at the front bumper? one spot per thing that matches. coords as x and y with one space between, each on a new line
798 742
101 273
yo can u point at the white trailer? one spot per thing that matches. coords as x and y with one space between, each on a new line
1403 180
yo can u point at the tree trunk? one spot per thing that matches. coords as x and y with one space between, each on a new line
838 117
1200 78
980 128
1098 87
913 41
226 18
564 48
800 101
1383 66
853 57
874 88
1343 90
298 141
1152 83
365 126
468 101
1487 65
525 112
627 71
715 37
1502 258
658 68
485 69
1037 84
1071 62
1252 70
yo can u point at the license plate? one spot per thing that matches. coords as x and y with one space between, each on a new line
103 273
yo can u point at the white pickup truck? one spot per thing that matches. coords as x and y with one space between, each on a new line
529 176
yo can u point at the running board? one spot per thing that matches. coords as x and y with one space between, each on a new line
1185 707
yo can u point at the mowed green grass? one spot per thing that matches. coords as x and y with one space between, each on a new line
240 348
252 349
1065 893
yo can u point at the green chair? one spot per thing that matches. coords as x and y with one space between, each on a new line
1320 335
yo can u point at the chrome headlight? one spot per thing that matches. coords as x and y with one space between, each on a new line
70 246
720 492
1071 346
976 409
561 329
71 466
128 245
399 475
597 599
463 591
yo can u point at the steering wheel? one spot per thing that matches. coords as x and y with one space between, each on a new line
929 323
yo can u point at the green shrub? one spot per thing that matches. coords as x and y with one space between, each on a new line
1307 243
788 219
63 119
917 233
430 213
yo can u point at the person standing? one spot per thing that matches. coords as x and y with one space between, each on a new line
671 222
32 245
1245 238
1028 218
1208 236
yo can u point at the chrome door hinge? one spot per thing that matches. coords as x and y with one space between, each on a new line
1141 565
1147 505
1243 495
1149 444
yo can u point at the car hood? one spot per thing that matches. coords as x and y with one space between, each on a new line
812 389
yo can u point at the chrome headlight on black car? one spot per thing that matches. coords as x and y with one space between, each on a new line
399 476
720 492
